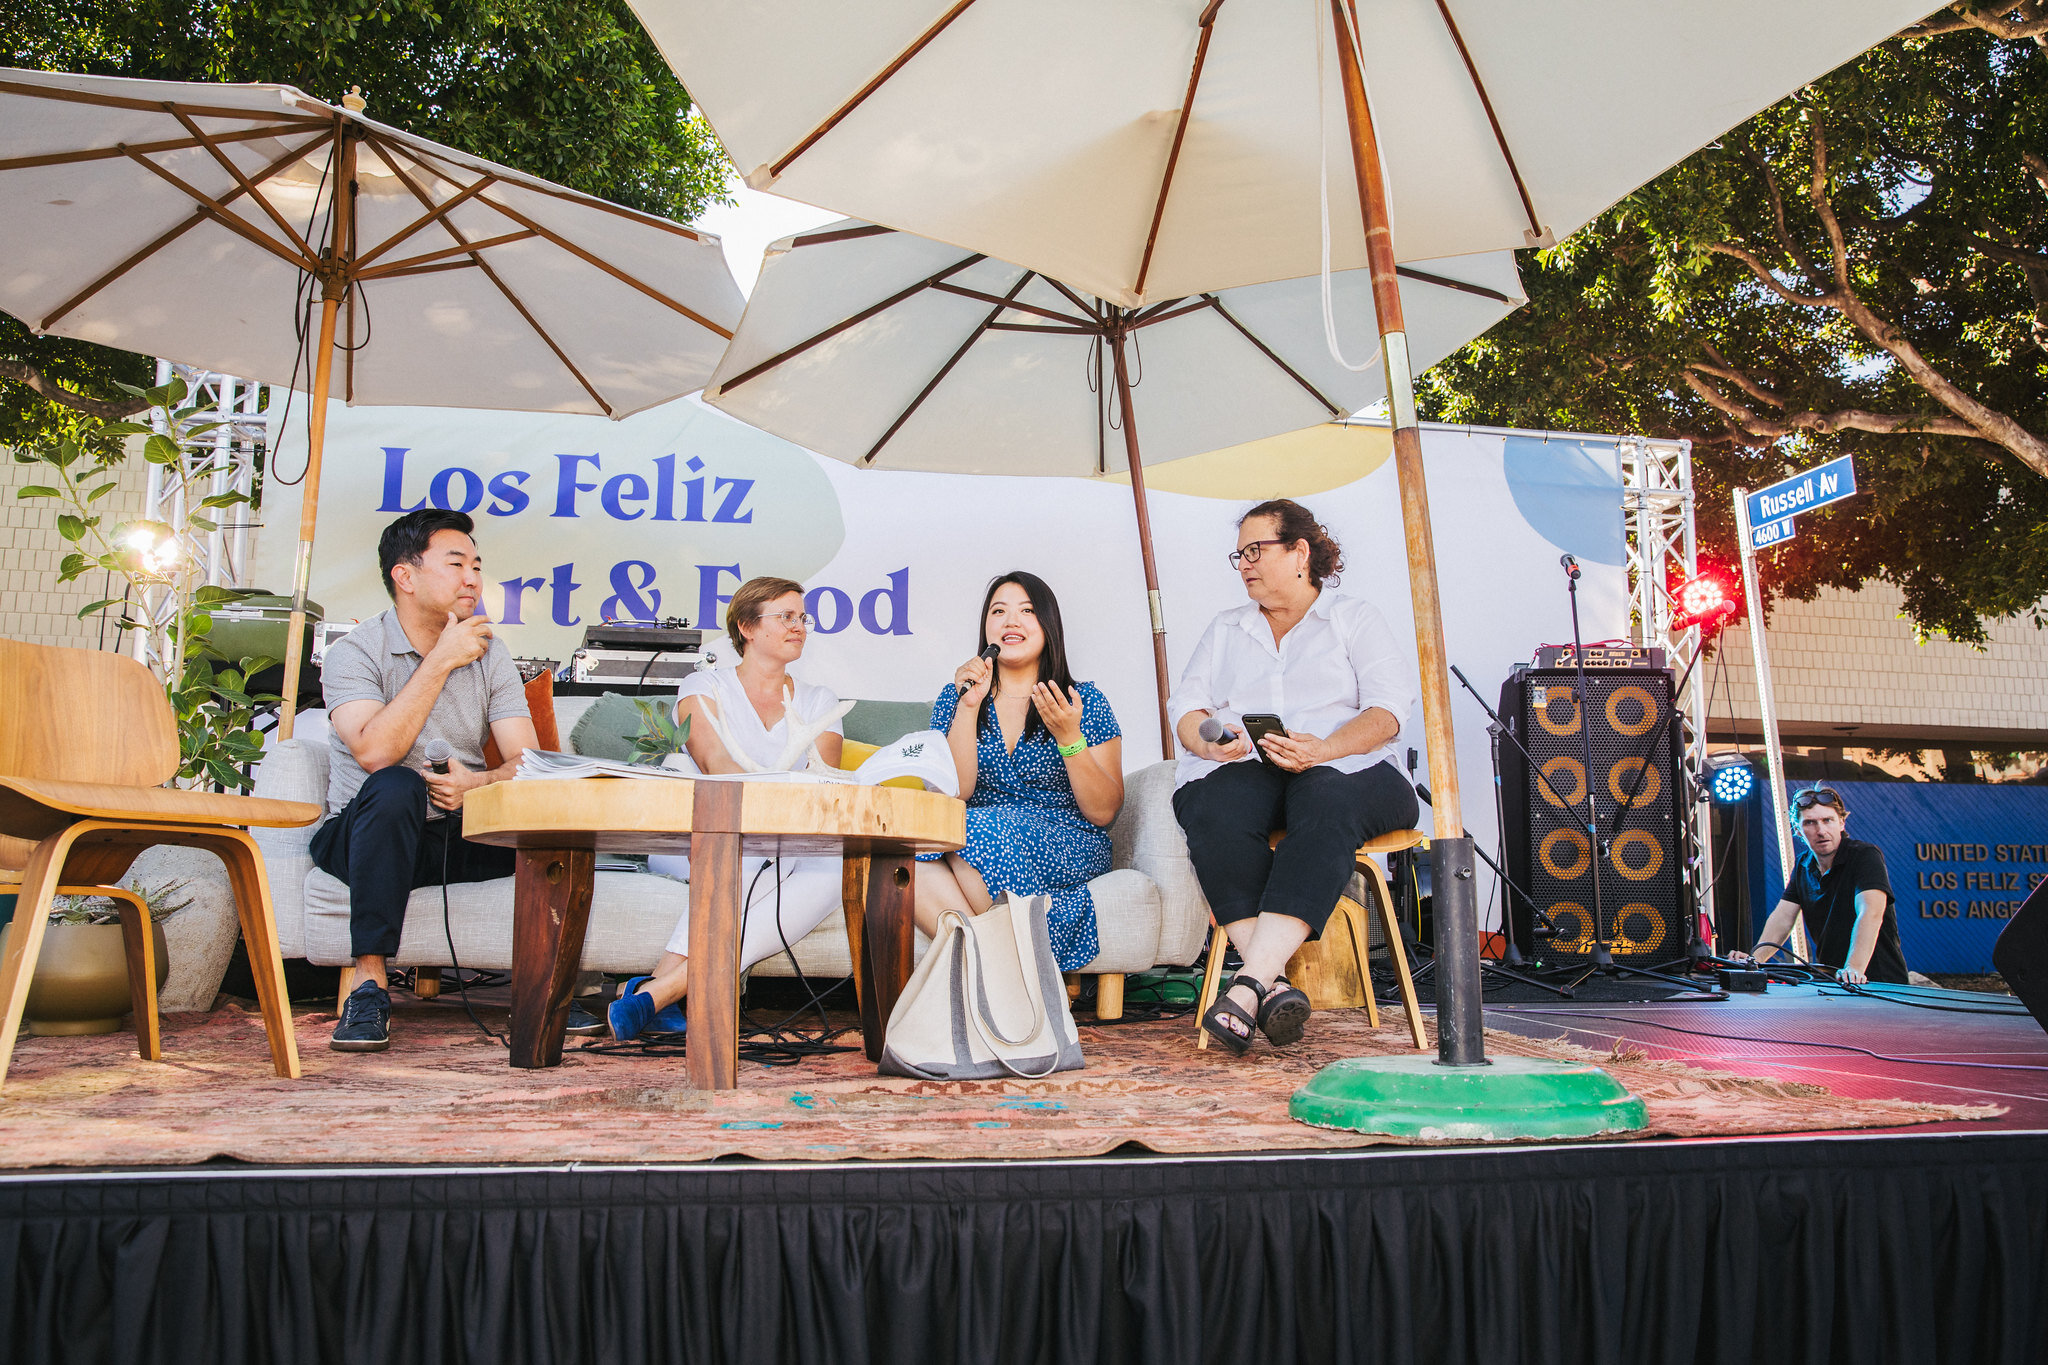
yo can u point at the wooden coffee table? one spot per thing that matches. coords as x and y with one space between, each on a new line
559 826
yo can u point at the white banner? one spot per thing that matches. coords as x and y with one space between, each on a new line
665 513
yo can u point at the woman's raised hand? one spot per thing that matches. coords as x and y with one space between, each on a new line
971 681
1060 709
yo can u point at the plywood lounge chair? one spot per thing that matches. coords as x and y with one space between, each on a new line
87 740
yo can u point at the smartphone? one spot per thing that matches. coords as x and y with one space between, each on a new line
1257 726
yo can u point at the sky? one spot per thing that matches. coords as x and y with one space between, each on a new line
751 223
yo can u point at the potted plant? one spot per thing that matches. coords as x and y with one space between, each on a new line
161 563
81 980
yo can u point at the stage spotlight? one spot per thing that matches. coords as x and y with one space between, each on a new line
1730 778
1704 600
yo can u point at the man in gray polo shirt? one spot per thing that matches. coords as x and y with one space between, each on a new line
428 669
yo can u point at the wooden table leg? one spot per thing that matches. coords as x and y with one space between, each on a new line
853 900
892 942
712 1058
550 910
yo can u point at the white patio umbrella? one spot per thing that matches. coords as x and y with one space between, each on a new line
196 223
891 351
1152 150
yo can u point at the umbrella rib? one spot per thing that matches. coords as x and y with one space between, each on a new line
1181 312
946 368
608 268
557 240
423 154
871 87
836 328
1041 327
1446 282
221 159
1180 130
153 106
1267 352
1092 310
502 287
217 210
1009 305
423 221
842 235
411 263
198 216
1486 103
176 144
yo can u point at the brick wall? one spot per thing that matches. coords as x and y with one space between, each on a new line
1847 669
34 606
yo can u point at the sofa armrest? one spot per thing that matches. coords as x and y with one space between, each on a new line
291 770
1147 837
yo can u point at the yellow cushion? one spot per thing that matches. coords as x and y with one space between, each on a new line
853 753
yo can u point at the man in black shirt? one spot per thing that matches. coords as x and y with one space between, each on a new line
1840 885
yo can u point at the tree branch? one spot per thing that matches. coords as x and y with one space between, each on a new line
1791 246
2029 23
1753 423
106 409
1838 245
1763 273
1723 368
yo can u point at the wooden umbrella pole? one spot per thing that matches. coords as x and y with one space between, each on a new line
1123 398
1386 299
333 285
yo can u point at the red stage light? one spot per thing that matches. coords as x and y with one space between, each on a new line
1703 600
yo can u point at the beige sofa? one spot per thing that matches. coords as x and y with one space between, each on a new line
1149 909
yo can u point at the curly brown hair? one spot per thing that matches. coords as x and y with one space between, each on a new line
1295 522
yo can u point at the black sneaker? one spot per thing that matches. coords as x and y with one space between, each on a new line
584 1024
365 1020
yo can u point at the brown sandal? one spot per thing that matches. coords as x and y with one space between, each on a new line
1218 1022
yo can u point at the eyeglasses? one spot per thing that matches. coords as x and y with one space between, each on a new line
790 620
1250 553
1816 796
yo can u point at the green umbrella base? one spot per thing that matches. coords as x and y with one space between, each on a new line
1513 1097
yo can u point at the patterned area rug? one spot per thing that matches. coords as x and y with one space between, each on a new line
444 1094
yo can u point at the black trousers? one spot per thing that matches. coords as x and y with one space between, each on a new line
383 846
2021 954
1327 814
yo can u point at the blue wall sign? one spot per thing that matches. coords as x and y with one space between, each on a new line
1961 857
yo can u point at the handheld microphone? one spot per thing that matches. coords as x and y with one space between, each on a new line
1570 565
1214 731
438 754
989 652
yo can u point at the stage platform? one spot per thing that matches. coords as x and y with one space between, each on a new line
1923 1241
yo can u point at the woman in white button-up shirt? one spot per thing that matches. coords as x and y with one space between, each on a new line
1330 668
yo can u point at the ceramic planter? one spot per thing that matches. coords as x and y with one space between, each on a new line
81 980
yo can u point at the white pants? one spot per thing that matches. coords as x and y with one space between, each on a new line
811 891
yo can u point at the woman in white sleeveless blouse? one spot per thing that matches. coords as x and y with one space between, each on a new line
752 717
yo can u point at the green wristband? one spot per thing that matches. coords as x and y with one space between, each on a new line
1069 750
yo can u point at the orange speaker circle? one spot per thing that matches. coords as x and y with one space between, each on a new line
1622 776
1574 927
1641 697
1581 854
1632 915
1568 775
1546 714
1652 855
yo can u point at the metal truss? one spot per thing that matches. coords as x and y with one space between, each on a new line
1657 508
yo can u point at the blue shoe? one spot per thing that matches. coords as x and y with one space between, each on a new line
365 1020
670 1018
584 1024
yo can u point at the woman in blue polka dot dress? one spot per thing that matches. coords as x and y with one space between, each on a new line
1042 759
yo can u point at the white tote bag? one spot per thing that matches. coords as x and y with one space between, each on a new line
986 1002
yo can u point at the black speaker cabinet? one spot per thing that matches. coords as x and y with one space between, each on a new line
1643 893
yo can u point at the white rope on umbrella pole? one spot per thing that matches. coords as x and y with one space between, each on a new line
1323 185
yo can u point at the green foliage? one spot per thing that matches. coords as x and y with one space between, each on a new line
1925 140
164 899
659 734
214 709
572 90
